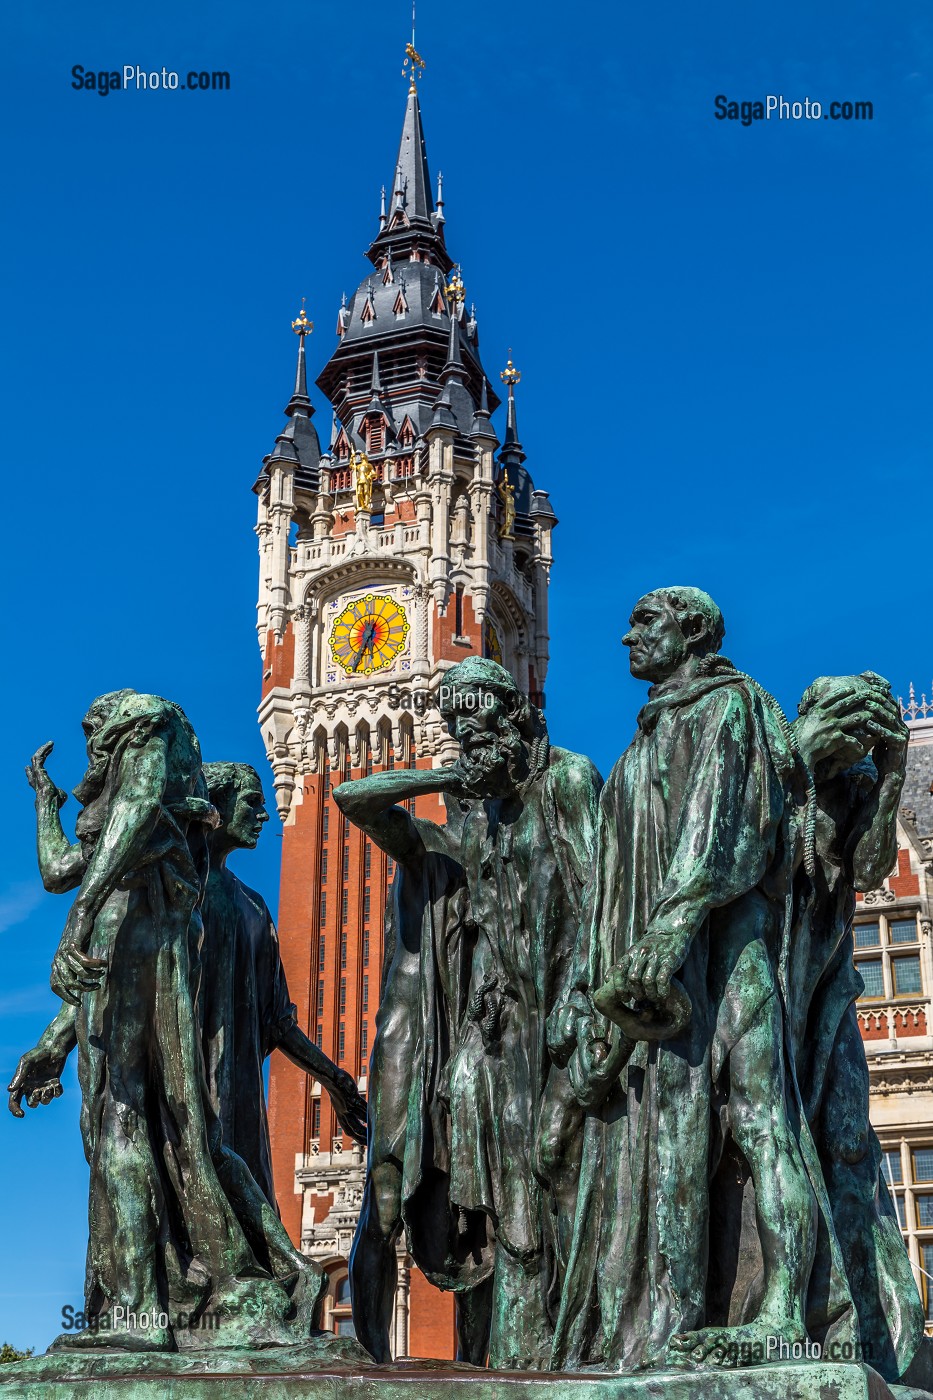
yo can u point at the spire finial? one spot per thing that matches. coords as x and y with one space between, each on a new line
511 447
299 401
382 209
510 375
413 63
302 326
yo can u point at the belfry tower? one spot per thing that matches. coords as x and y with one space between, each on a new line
411 542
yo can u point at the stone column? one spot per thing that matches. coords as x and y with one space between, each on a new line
301 621
402 1296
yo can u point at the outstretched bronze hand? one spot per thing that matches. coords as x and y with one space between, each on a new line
349 1105
37 1080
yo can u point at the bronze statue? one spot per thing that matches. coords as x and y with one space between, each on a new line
854 741
618 1097
176 1222
697 835
243 1000
486 912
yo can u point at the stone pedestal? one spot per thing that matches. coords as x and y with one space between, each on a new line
284 1373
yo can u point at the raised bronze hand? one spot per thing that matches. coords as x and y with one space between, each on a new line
39 780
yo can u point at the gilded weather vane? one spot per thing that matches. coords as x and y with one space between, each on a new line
413 63
412 66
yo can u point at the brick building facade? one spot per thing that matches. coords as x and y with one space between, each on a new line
894 953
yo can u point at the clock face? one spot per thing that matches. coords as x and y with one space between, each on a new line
368 634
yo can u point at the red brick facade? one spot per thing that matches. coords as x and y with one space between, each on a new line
330 868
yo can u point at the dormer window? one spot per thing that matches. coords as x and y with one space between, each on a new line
375 434
407 434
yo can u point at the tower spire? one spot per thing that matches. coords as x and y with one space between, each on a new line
453 366
412 224
297 445
299 399
412 181
511 447
481 426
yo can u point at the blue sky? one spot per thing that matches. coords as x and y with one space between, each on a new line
724 334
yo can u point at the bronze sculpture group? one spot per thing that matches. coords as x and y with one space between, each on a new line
173 992
618 1100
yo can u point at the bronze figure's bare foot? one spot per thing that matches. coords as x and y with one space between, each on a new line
750 1344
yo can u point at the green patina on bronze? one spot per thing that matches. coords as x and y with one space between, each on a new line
179 1226
243 1001
618 1098
474 1127
724 1200
279 1375
711 1179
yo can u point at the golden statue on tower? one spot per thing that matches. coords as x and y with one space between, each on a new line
364 474
507 497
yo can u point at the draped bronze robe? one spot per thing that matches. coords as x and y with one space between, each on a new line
694 823
245 1008
175 1219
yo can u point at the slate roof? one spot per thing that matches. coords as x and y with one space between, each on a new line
916 793
409 210
298 441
